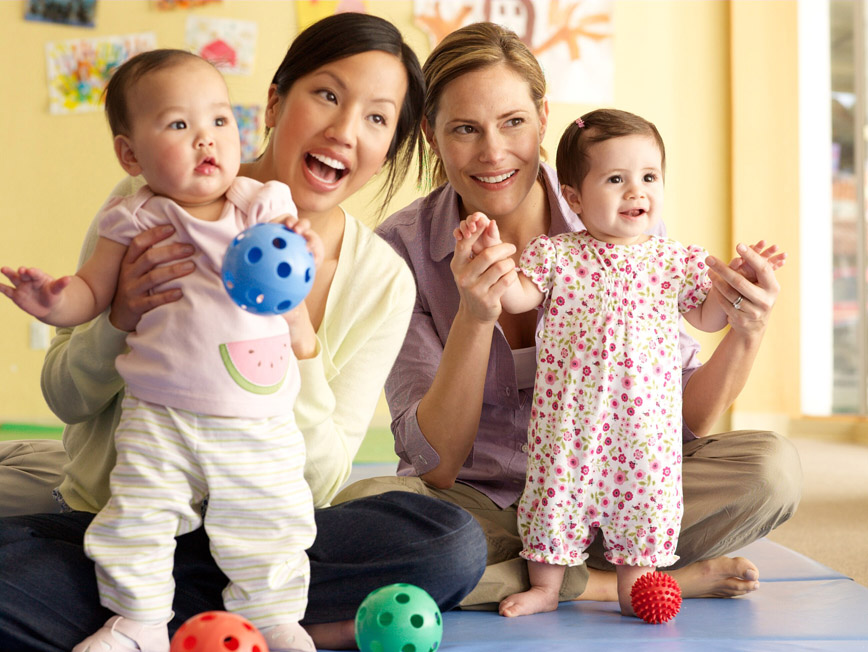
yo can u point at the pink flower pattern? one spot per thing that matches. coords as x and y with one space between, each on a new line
604 448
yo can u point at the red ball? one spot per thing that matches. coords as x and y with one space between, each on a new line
656 597
218 631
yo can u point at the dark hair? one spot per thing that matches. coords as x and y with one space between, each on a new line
343 35
470 48
125 77
572 160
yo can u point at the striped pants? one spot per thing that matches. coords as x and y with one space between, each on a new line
259 518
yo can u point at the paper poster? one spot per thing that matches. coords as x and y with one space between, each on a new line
227 43
69 12
247 118
79 69
572 39
310 11
165 5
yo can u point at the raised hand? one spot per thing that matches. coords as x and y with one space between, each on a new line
34 291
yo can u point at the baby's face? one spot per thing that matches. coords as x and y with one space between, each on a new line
622 195
184 136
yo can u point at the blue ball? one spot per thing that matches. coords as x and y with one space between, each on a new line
268 269
399 618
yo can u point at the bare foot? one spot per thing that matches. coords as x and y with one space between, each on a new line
534 601
334 636
722 577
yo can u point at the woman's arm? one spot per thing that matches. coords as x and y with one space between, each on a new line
715 385
340 386
448 413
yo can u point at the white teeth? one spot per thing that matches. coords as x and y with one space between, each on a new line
497 179
332 163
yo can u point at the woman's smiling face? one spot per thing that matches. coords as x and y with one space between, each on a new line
332 130
487 134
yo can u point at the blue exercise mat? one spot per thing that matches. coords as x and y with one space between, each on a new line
801 605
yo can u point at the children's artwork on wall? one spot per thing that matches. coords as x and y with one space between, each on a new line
247 117
572 39
79 69
69 12
164 5
227 43
310 11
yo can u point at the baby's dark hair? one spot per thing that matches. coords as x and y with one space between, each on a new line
573 162
127 75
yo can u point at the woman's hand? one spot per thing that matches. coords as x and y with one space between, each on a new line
143 268
747 286
482 277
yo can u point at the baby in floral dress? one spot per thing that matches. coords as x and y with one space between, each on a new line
605 434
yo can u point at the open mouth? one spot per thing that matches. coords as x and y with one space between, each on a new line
497 178
325 168
636 212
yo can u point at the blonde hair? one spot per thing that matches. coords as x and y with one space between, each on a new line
465 50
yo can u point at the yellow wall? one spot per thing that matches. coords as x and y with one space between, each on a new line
694 68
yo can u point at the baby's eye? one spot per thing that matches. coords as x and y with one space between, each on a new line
178 124
221 122
616 178
650 177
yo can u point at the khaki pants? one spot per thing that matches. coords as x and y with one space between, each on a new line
737 487
29 471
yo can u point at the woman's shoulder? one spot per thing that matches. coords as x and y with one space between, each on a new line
370 257
412 224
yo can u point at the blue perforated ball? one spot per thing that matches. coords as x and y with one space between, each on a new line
399 618
268 269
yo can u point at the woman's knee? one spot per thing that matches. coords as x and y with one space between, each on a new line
780 473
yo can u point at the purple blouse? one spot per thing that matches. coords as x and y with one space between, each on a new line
422 234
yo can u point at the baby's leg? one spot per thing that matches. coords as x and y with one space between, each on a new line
627 575
545 585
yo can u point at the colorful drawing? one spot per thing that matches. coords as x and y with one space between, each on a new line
79 69
247 118
572 39
182 4
69 12
227 43
310 11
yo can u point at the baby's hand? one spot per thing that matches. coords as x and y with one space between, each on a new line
32 290
303 228
773 256
480 227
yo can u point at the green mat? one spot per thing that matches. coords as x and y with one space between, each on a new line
377 447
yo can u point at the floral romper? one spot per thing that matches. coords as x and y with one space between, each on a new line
605 432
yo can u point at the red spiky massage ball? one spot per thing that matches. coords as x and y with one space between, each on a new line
656 597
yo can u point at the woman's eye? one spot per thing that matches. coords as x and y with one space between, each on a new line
464 129
515 122
328 96
378 119
178 124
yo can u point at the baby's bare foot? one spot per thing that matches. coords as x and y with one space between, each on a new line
722 577
534 601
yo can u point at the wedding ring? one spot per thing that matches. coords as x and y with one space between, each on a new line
737 303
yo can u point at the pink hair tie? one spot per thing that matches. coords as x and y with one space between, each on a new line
580 123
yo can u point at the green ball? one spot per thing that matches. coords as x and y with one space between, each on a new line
399 618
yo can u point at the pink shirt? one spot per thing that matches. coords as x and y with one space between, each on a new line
422 234
204 353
